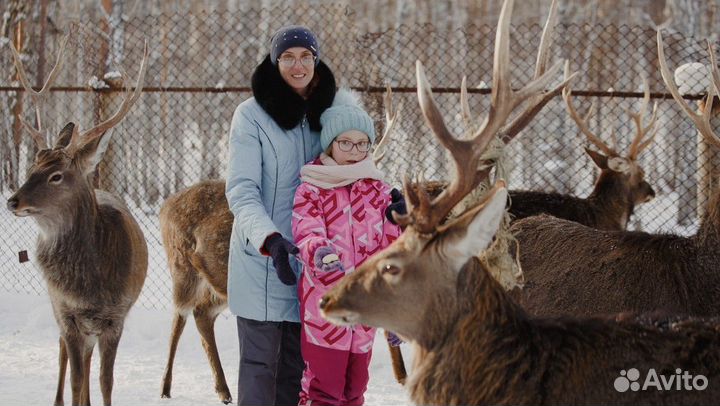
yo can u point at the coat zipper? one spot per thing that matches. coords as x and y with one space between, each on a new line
302 131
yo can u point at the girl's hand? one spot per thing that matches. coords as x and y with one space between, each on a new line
327 260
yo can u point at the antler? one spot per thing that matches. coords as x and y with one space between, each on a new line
702 120
582 121
129 100
465 108
38 134
636 147
521 121
425 215
390 120
713 68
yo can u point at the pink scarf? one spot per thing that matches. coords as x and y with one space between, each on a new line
330 175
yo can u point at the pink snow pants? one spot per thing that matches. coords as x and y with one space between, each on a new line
333 377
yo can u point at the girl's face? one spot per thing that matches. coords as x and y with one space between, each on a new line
350 147
297 68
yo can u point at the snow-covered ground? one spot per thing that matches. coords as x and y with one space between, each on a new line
29 366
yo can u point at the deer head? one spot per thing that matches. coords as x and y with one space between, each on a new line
623 168
395 289
59 179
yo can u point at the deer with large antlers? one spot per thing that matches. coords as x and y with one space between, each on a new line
572 269
196 224
619 187
91 251
473 344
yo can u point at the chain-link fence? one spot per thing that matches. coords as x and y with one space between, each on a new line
200 68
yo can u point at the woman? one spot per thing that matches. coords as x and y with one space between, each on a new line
272 135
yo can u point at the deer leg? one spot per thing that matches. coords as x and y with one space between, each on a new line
177 329
398 364
205 321
85 392
75 346
63 361
108 350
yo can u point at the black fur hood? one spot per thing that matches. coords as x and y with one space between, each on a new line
285 106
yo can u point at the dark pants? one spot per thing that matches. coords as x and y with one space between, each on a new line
271 365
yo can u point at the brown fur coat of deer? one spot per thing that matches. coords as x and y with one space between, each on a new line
491 352
573 269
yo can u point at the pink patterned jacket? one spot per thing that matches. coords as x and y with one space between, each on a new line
350 219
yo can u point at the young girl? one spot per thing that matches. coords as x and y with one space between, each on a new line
339 220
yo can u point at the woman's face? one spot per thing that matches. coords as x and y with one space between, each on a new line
350 147
297 68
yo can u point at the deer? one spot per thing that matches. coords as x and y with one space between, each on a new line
195 225
506 134
90 249
475 345
572 269
619 187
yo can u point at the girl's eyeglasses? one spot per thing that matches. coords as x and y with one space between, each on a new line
347 146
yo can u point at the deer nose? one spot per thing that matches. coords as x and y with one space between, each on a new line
12 204
323 302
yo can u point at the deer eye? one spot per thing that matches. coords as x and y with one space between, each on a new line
390 269
55 178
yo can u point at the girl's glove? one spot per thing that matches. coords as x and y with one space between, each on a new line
327 260
397 204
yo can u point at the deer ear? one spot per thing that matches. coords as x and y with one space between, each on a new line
600 160
473 232
90 152
66 134
618 164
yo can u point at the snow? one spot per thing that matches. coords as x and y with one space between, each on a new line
112 75
96 83
29 351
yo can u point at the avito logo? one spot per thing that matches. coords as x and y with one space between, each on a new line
681 380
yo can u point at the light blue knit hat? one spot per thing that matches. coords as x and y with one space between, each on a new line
340 118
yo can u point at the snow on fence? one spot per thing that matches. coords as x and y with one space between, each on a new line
200 67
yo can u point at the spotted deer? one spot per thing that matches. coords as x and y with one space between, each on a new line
90 249
619 187
571 269
195 226
473 344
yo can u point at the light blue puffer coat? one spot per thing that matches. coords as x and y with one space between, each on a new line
263 173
